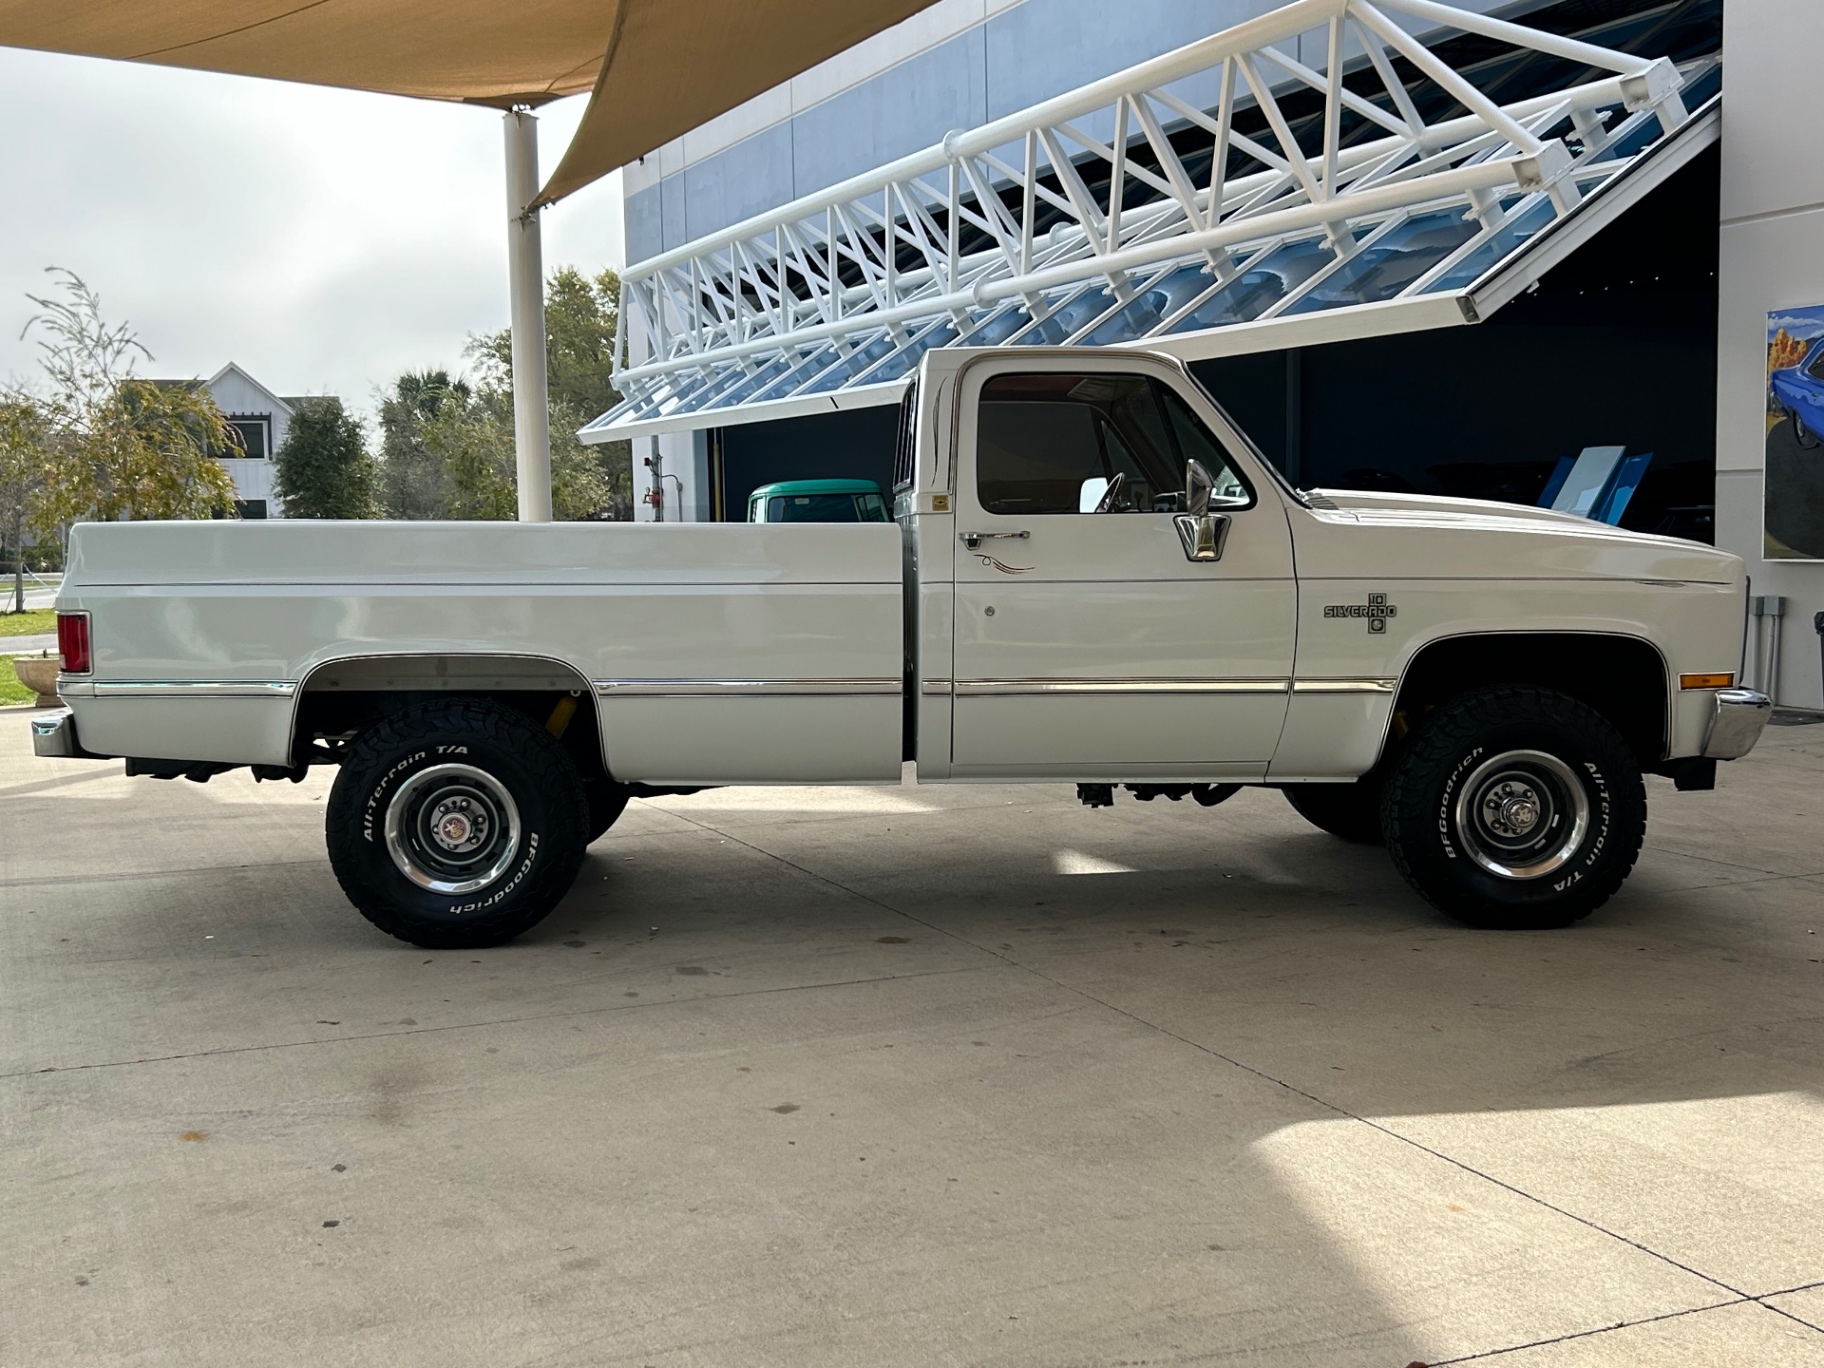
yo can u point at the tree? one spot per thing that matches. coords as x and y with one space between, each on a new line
24 434
473 443
582 316
323 469
121 446
413 483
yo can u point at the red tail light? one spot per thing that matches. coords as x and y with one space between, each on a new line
73 642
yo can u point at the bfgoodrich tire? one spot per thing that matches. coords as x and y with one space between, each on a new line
1351 811
456 824
1515 808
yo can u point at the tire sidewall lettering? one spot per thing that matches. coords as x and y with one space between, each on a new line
374 809
1446 819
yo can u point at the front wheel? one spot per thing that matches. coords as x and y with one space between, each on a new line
1515 808
456 824
1804 435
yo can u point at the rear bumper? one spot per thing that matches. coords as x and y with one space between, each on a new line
1740 717
54 736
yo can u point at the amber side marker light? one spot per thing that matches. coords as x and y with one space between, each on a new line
1705 681
73 642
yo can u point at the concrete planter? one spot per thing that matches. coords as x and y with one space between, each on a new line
39 674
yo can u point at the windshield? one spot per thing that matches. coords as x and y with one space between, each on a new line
826 508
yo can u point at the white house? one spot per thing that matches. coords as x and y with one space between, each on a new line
261 419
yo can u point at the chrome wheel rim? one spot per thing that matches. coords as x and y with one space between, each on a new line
1522 814
452 829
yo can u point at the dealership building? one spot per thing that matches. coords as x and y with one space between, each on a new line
1455 250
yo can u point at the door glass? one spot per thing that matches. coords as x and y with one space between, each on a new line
1040 437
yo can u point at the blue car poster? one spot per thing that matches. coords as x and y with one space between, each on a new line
1793 492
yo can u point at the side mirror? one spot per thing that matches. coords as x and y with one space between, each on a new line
1201 531
1097 495
1198 485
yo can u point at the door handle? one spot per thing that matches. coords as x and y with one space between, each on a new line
975 539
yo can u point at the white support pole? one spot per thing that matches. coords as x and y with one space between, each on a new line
526 288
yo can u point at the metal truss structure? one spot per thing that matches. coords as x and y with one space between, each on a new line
1191 203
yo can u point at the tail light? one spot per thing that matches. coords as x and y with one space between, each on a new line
73 642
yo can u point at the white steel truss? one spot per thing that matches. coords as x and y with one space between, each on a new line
1126 213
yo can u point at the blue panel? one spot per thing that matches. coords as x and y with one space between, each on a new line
738 182
645 229
1560 473
1510 239
1621 490
902 110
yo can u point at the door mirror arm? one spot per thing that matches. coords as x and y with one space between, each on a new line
1198 486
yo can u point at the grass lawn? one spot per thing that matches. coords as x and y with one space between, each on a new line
32 622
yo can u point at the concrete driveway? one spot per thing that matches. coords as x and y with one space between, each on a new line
905 1076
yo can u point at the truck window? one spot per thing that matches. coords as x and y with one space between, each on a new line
826 508
1040 437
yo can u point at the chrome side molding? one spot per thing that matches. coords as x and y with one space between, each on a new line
987 688
746 688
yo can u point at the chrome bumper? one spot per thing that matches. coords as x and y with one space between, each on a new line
54 735
1740 717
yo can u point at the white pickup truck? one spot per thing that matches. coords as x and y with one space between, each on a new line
1093 578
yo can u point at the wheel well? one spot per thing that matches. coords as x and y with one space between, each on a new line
1623 678
341 699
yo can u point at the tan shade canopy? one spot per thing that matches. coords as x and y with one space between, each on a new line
656 67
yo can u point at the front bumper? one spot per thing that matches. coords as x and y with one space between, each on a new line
1740 717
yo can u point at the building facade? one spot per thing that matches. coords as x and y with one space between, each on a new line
1645 327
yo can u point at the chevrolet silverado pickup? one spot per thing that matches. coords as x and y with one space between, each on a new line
1092 577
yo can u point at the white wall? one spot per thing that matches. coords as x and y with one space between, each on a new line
236 396
1772 256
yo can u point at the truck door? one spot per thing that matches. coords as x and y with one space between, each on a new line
1087 641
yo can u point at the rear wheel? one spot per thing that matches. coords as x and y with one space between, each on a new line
1515 808
1351 811
456 824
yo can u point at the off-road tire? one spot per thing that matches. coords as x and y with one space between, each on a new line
386 768
1452 769
607 801
1350 811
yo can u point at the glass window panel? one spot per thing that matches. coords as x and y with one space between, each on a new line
1390 265
1509 239
1255 291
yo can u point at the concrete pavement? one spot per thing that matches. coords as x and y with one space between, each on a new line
905 1076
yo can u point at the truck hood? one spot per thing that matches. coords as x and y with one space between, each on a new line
1430 536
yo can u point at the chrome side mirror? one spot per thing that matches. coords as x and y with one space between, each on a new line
1198 485
1202 532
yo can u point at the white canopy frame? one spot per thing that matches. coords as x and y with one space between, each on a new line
828 302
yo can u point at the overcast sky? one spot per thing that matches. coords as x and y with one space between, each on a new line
325 240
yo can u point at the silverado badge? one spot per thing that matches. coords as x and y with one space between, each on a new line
1377 610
